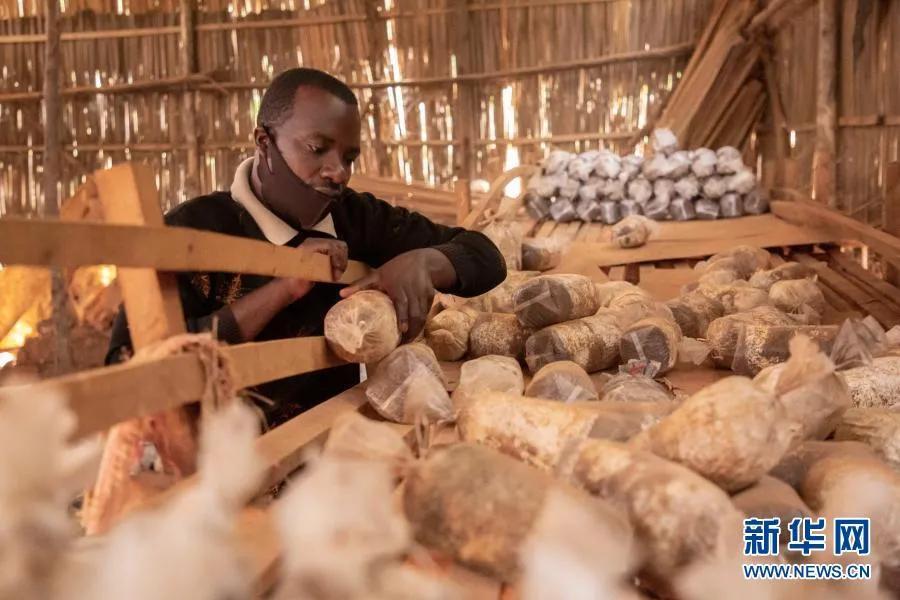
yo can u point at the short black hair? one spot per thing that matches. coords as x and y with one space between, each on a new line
278 100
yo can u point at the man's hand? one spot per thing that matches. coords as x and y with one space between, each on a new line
410 281
336 250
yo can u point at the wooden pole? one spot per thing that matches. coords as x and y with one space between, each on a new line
188 58
465 109
826 106
778 115
59 289
892 211
375 29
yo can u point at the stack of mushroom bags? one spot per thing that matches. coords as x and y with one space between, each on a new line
600 186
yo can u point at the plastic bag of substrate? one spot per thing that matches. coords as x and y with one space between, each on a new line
498 333
759 346
652 341
569 189
687 187
795 295
625 387
714 188
537 207
563 381
764 280
580 168
707 210
591 342
557 161
728 160
694 312
703 162
548 186
681 164
612 190
409 385
447 333
731 205
608 165
609 212
541 254
588 211
550 299
682 209
362 328
488 374
640 190
663 188
631 167
633 231
589 191
657 209
628 208
562 210
756 203
658 167
742 182
663 141
859 342
508 240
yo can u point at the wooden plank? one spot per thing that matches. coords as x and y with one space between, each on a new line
546 229
665 284
851 293
840 227
53 243
880 289
892 211
826 105
689 239
102 397
128 195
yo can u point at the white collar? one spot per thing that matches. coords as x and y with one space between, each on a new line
272 226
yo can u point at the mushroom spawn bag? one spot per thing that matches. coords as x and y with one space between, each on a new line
541 254
550 299
591 342
563 381
625 387
362 328
409 385
447 333
633 231
498 333
490 373
508 241
653 341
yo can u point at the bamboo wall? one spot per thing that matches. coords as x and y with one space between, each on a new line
868 103
482 85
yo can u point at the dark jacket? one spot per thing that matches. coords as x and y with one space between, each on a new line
375 232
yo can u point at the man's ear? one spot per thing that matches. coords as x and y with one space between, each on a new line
261 139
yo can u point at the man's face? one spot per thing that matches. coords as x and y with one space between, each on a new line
320 140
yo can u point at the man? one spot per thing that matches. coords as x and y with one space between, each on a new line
294 192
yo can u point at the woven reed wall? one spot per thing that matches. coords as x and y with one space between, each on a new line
518 91
868 103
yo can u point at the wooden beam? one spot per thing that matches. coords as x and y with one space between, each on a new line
892 211
49 243
824 171
841 227
52 158
778 115
129 197
188 60
694 239
465 106
851 292
880 289
102 397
